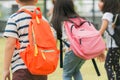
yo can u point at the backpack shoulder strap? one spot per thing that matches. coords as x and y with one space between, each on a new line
113 24
34 13
115 20
61 54
26 11
81 22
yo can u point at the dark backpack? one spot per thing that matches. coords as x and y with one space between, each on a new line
116 26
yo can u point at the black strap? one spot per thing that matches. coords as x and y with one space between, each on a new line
110 36
61 53
108 32
96 67
111 42
68 45
113 23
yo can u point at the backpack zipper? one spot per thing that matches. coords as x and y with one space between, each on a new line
44 51
37 19
33 35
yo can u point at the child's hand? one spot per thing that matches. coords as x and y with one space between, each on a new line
106 49
6 75
101 57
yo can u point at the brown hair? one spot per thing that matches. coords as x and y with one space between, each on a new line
112 6
63 10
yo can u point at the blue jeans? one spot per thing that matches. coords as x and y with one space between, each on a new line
71 66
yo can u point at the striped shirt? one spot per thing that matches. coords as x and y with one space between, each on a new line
17 27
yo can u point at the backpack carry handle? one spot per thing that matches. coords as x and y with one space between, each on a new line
81 22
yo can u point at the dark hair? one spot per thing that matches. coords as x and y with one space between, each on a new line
112 6
63 10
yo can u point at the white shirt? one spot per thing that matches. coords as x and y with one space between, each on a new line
109 16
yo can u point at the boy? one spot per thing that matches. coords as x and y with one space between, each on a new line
17 29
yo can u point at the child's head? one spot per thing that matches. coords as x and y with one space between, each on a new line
112 6
65 8
26 2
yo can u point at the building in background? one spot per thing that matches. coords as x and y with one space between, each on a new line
86 8
6 10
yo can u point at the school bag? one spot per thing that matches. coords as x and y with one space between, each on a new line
85 41
41 55
116 26
83 25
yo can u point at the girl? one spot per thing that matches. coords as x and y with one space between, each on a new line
64 10
112 63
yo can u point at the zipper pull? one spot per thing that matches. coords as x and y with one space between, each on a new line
37 19
36 50
43 55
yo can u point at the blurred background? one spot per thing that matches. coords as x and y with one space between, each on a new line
85 8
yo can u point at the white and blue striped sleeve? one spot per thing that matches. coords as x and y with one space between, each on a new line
11 29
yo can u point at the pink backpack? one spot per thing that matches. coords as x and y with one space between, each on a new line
85 41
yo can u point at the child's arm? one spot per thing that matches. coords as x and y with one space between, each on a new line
102 30
9 49
103 26
101 57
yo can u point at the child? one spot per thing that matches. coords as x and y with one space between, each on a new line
63 10
17 29
112 63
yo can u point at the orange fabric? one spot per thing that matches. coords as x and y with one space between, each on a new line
41 56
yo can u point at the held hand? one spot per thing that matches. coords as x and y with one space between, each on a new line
101 57
6 75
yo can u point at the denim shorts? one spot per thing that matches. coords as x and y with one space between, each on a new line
72 63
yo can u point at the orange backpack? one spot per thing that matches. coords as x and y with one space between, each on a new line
41 55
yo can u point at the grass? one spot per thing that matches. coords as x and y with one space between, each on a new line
2 41
87 70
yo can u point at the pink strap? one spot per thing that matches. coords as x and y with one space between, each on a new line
66 23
